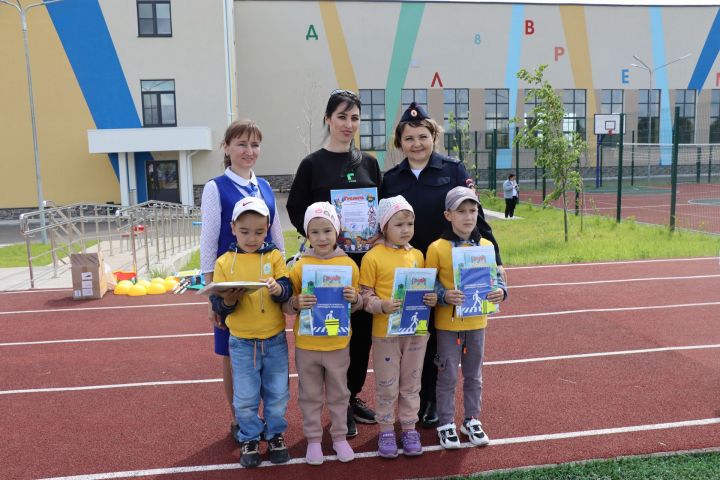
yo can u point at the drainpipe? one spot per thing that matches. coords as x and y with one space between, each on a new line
229 37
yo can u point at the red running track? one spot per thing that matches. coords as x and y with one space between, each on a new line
574 371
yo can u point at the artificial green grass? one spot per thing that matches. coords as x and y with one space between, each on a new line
16 255
697 466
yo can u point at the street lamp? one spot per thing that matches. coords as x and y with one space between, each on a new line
645 66
38 178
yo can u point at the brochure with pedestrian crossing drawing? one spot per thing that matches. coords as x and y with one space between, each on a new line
410 285
475 274
330 316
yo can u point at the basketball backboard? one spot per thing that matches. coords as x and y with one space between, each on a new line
608 124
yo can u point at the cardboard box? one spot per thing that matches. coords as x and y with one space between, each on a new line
88 276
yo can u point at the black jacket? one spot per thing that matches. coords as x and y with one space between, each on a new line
427 194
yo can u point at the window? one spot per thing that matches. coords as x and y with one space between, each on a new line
497 114
574 103
457 105
648 116
372 126
418 95
611 101
158 103
154 18
685 99
715 116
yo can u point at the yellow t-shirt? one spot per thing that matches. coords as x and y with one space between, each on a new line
320 344
439 255
377 271
256 314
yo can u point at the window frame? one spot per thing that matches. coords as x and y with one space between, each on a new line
154 17
503 137
413 92
158 104
686 129
714 116
612 103
650 105
580 121
367 117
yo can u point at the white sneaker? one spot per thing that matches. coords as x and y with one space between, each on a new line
448 436
473 429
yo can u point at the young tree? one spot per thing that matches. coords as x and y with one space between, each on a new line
558 151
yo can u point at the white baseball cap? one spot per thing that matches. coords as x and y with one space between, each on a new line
390 206
250 204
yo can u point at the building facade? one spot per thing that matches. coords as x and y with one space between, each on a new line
128 65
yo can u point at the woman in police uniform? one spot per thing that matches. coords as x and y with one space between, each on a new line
424 178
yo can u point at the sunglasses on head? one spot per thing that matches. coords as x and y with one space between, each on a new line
338 91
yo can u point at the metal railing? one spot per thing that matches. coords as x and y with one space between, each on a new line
150 231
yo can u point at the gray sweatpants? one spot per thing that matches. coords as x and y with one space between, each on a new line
450 346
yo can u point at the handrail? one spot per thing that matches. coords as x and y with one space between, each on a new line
155 222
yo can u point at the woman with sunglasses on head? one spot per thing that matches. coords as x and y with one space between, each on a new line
340 165
424 178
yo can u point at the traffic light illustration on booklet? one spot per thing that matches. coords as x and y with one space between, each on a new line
475 274
330 316
410 285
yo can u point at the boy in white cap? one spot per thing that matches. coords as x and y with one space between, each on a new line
459 340
258 348
322 362
398 361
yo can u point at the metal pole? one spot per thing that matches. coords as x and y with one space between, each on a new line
673 170
632 160
620 168
697 166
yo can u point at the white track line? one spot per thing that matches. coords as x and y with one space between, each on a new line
39 290
294 375
106 339
116 307
599 310
619 262
622 280
434 448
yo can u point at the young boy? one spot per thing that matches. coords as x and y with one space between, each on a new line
322 362
258 348
397 360
459 340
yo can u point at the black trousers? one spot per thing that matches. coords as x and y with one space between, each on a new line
360 343
510 206
429 374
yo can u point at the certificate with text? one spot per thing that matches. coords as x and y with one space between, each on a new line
357 209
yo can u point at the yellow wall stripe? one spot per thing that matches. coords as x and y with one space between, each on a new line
576 37
344 71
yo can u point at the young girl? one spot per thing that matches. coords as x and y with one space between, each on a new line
398 361
241 146
322 362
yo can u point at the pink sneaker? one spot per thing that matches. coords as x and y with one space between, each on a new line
314 454
344 451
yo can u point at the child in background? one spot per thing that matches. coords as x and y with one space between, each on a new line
459 340
398 361
258 348
322 362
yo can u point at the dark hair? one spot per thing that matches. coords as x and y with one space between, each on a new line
239 129
511 176
428 123
347 100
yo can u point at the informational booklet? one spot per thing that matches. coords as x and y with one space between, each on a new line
475 274
330 316
410 285
357 209
213 288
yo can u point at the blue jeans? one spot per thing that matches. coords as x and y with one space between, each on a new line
260 371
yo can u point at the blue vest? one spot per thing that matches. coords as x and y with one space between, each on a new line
229 196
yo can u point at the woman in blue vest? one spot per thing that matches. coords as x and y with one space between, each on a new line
242 148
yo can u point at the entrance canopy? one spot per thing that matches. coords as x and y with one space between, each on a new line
126 141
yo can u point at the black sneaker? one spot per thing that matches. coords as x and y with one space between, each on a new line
250 454
361 411
352 426
429 417
278 450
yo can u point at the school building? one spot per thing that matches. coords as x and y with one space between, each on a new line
132 96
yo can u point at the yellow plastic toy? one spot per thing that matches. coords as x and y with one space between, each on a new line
123 287
157 280
143 283
170 284
172 277
156 288
137 291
